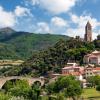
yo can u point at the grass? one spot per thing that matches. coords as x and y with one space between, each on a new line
91 94
88 94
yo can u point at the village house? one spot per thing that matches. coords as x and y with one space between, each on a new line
81 73
91 71
74 70
92 58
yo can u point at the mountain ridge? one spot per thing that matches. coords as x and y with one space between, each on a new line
23 44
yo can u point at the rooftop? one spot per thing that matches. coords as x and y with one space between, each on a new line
95 52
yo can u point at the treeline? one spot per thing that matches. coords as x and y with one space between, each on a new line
61 89
21 45
54 58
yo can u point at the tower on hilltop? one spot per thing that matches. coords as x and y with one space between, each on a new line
88 32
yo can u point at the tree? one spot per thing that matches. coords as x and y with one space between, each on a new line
94 80
35 91
73 91
98 88
60 96
98 37
66 85
4 96
17 88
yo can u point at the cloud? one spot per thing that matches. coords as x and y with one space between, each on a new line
56 25
80 22
75 32
55 6
6 18
22 11
73 27
34 2
12 18
59 22
42 27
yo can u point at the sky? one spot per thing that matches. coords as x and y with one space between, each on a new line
65 17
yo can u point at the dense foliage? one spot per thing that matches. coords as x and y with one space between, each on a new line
94 80
63 87
21 89
21 45
56 57
24 45
66 85
98 88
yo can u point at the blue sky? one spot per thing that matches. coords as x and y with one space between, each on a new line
67 17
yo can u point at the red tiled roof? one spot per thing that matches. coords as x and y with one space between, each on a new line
96 52
68 67
73 73
87 55
97 68
93 56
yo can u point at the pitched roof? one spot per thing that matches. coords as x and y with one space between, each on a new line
97 68
69 67
73 73
93 56
88 24
95 52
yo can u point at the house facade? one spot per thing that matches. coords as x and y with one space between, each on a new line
92 58
91 71
74 70
81 72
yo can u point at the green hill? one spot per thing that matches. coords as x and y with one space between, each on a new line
53 58
21 45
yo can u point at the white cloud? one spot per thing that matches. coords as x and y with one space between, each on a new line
55 6
73 27
42 27
22 11
11 18
34 2
6 18
80 22
57 21
75 32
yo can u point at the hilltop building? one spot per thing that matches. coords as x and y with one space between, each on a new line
73 69
88 32
91 71
92 58
80 72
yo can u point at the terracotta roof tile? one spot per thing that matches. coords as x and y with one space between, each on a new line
97 68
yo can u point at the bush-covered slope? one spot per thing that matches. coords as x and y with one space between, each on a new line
57 56
7 51
21 45
54 58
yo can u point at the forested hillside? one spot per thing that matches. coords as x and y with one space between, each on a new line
21 45
52 56
55 57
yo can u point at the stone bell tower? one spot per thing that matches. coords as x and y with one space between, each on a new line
88 32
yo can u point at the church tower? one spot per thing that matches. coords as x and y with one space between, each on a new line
88 32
